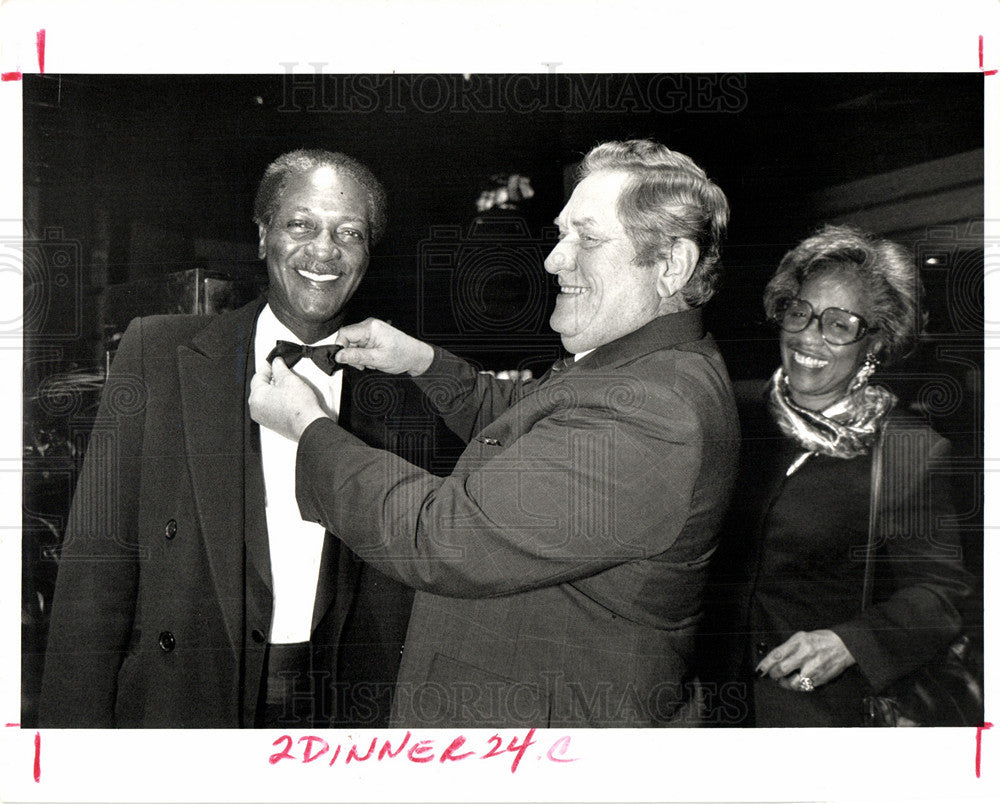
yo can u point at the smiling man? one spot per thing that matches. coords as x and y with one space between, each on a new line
560 568
190 592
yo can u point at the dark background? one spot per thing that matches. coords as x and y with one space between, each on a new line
139 188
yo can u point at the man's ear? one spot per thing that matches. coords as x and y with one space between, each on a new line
262 247
675 265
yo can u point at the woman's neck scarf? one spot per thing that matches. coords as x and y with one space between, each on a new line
846 429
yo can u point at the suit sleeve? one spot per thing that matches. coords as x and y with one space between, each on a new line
465 399
95 594
586 488
918 560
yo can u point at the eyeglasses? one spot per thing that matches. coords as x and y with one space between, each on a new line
837 327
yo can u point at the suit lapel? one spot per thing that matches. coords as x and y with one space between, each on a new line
260 589
213 376
333 578
215 371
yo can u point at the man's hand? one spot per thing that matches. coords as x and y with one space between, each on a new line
375 344
819 656
282 401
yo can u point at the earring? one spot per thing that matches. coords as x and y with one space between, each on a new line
868 367
864 373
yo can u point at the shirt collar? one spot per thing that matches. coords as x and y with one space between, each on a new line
269 327
661 332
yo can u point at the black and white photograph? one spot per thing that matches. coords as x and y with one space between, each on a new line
407 430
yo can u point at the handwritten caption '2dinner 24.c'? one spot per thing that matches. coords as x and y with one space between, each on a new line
407 748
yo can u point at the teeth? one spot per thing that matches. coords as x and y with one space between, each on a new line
808 362
318 277
575 291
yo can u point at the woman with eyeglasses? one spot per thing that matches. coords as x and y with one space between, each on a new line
845 304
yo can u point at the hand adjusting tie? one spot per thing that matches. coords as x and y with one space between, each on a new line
321 355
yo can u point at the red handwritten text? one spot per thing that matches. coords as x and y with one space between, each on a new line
420 751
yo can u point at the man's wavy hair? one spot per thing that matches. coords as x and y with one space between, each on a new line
665 197
293 163
886 270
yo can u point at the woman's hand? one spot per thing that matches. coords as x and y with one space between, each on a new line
375 344
819 656
282 401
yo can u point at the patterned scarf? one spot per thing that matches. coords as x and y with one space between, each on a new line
848 432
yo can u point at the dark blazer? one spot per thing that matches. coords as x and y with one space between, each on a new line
806 536
560 566
163 596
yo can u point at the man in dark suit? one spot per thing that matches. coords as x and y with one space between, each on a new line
190 592
560 568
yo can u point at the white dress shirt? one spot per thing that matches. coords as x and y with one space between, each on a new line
295 546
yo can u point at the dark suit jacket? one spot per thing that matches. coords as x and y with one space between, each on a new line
163 597
561 565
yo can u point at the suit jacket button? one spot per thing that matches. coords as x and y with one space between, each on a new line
258 636
167 641
761 648
171 528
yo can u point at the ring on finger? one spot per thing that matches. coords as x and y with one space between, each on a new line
806 684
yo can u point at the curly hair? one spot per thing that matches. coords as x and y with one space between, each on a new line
887 273
667 196
278 173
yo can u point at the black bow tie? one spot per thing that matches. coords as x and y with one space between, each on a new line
322 356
